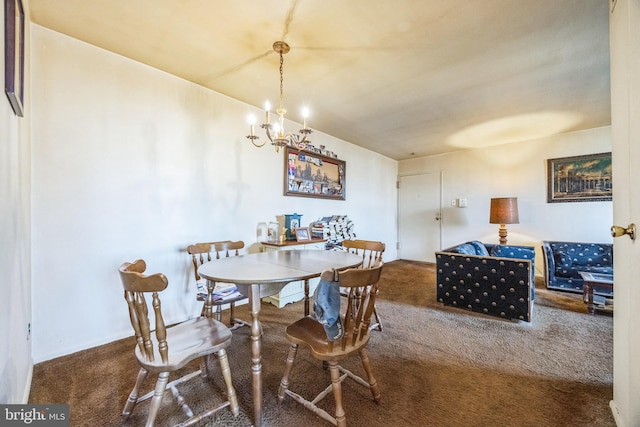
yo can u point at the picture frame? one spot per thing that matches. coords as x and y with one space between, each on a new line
14 54
584 178
302 234
309 174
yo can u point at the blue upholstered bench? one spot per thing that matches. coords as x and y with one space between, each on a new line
497 280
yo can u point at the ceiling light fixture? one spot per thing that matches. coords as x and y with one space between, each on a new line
275 132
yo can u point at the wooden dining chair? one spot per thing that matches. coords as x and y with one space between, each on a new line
206 252
310 333
163 350
371 253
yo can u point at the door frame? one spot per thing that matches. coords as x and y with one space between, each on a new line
440 195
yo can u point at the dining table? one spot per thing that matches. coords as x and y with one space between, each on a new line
263 274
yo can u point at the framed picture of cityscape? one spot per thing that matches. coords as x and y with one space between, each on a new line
309 174
579 178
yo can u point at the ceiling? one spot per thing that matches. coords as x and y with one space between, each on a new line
404 78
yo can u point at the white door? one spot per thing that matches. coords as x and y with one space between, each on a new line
625 129
419 213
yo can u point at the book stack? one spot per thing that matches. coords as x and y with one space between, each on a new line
334 229
317 228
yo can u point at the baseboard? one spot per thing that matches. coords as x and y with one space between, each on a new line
616 414
27 386
125 333
80 347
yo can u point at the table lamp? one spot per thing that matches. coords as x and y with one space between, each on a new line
504 210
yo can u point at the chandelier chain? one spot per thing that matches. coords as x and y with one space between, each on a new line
281 82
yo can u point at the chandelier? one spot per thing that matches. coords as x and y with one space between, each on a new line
275 131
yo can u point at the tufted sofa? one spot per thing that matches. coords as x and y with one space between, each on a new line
563 261
497 280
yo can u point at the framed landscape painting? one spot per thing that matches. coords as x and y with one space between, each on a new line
308 174
579 178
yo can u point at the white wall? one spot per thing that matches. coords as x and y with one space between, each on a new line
130 162
518 170
15 244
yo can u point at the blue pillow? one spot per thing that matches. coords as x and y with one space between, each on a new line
466 248
563 260
480 248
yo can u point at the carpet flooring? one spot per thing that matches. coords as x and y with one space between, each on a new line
436 366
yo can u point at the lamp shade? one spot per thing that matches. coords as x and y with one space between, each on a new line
504 210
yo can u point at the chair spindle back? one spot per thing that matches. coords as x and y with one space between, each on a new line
135 286
362 284
369 250
202 252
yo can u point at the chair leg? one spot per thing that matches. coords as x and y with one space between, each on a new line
373 384
133 397
284 383
336 384
232 308
378 324
156 401
204 367
226 374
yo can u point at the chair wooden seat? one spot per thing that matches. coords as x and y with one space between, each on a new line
309 333
189 340
163 350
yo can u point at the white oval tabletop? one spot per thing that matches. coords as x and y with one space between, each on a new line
276 266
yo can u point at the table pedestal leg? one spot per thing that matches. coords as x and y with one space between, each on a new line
588 291
306 297
256 354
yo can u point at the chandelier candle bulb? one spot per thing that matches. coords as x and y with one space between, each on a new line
252 121
252 136
267 107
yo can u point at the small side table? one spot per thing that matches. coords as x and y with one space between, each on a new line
592 280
